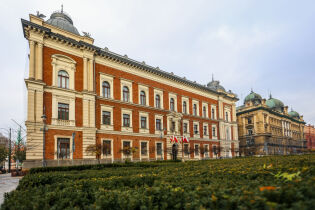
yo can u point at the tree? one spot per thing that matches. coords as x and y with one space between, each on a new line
3 153
95 149
19 149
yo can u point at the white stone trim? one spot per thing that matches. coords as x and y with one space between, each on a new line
146 91
122 147
215 112
56 145
207 135
188 129
129 85
159 92
197 157
126 129
174 96
197 103
148 150
187 104
207 110
144 130
216 131
158 132
156 155
66 98
111 156
62 62
198 124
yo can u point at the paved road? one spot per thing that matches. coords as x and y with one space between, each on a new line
7 184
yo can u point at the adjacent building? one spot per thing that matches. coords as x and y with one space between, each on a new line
309 132
266 127
87 95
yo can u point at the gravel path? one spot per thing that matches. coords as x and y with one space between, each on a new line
7 184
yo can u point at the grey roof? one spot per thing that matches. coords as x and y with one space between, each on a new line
63 21
215 85
124 59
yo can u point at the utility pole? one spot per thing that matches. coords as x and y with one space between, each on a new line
10 150
44 137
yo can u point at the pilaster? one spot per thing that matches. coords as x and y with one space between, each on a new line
32 60
39 63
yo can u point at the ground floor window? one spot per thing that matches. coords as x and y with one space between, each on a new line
196 150
144 148
159 148
186 149
63 148
206 150
126 148
107 147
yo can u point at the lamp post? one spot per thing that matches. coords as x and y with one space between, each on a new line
44 138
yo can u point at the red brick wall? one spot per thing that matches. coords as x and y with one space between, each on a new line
48 106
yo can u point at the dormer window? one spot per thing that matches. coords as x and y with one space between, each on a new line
63 79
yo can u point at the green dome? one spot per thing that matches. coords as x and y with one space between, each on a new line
253 97
274 103
294 114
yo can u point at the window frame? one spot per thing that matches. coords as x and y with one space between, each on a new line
63 78
126 94
106 90
64 110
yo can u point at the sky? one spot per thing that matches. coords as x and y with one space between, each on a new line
268 45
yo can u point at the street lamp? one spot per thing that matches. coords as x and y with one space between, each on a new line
44 138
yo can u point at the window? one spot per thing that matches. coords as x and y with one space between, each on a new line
213 131
226 116
142 98
196 129
206 150
106 118
185 128
63 148
158 124
172 105
157 101
173 126
184 107
212 113
63 79
143 122
63 111
106 89
249 120
159 148
125 94
195 109
196 150
126 120
186 149
205 132
144 148
250 132
107 147
204 109
126 148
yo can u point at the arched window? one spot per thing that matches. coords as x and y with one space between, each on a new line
195 109
125 94
204 112
172 105
184 107
142 98
63 79
157 101
106 89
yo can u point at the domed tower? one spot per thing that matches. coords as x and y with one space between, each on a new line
294 114
255 98
215 85
275 104
63 21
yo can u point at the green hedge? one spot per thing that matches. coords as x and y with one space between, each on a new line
282 182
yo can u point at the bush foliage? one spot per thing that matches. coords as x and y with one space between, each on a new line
282 182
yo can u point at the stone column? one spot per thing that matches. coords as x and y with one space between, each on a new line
85 73
91 75
32 60
39 67
30 105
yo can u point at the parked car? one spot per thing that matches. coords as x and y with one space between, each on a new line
3 170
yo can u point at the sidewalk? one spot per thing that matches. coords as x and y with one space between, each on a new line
7 184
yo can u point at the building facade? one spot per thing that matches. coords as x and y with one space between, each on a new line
92 96
266 127
309 132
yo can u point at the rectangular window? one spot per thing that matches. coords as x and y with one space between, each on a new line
206 150
126 120
213 131
126 148
143 122
159 148
196 129
186 149
158 124
173 126
107 147
63 111
144 148
106 118
249 120
196 150
185 127
205 131
63 148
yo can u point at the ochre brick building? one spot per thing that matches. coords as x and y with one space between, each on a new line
266 127
91 96
309 132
